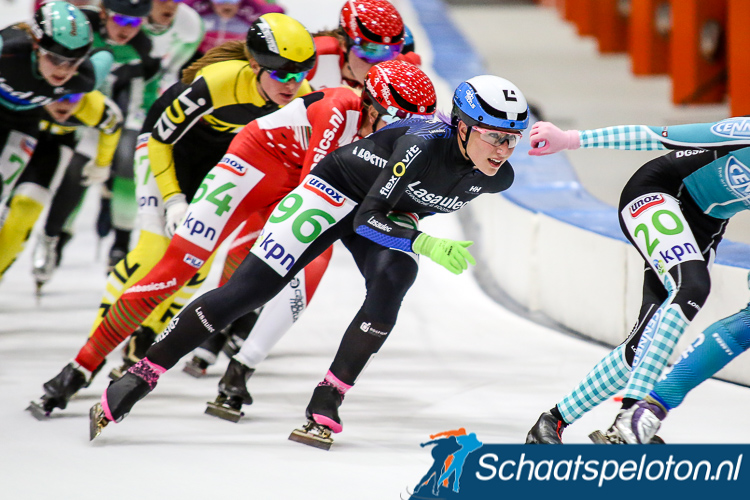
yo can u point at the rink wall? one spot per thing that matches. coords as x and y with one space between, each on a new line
550 248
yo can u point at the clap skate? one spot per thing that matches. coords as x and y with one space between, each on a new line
44 260
322 418
547 430
313 434
97 421
636 425
59 390
205 355
232 393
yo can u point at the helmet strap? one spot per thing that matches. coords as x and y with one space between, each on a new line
260 86
464 142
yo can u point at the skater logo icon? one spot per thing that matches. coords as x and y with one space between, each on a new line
644 203
450 450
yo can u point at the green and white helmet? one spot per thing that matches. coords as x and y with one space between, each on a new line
61 28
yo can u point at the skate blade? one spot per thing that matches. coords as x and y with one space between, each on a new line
37 411
313 435
193 371
598 437
223 412
97 421
656 440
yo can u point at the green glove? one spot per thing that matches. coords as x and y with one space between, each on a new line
452 255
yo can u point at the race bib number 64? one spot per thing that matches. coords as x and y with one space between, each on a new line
660 231
298 220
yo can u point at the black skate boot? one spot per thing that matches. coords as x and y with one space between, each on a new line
134 350
121 395
547 430
232 393
238 332
59 390
205 355
322 418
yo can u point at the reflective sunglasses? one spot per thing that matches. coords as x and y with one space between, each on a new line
285 76
58 60
374 53
71 98
497 137
125 21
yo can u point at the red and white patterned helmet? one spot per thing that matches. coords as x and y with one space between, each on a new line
373 21
400 89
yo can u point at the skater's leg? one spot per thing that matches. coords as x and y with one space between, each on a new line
608 377
280 313
252 285
719 344
26 205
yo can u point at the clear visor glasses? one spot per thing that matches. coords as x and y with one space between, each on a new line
285 77
374 53
58 60
496 138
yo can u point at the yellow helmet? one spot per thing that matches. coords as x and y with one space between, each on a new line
279 42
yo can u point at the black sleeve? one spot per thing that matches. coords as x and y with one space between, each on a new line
407 162
143 46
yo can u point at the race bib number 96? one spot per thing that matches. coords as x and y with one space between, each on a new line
298 220
660 231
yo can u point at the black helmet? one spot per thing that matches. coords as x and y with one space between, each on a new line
278 42
132 8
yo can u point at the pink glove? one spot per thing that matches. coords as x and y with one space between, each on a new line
547 139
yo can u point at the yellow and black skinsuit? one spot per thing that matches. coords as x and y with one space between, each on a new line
33 189
187 132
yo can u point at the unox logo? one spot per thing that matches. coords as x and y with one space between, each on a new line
325 191
738 177
733 127
644 203
234 164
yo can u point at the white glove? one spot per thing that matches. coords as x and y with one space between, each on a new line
177 207
94 174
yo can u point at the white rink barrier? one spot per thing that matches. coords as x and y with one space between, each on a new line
585 281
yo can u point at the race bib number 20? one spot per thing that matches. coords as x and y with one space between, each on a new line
298 220
660 231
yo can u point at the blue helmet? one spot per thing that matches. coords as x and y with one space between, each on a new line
490 101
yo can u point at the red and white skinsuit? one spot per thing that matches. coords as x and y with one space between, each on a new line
266 160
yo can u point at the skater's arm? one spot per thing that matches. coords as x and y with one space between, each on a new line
546 138
96 110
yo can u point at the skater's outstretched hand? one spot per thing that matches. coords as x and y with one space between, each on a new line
547 139
452 255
